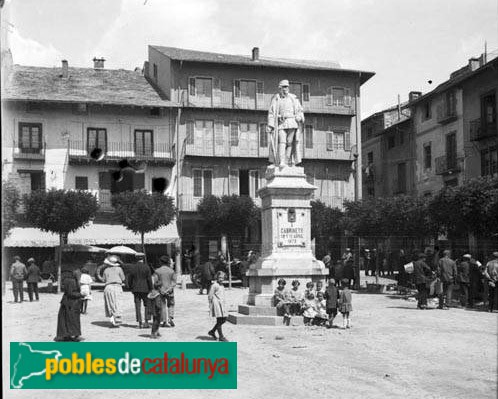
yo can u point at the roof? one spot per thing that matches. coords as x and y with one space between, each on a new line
84 85
402 105
93 234
462 76
179 54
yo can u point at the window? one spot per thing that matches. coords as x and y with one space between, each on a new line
296 88
246 89
308 136
143 142
96 138
263 135
489 161
233 182
190 132
80 109
203 182
338 97
260 88
427 111
234 134
201 87
488 109
306 92
81 183
30 137
154 67
427 156
203 133
391 141
337 141
451 151
450 103
253 183
33 107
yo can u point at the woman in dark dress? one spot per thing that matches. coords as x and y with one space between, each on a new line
68 321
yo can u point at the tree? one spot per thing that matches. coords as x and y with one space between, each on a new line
11 200
60 212
325 221
142 212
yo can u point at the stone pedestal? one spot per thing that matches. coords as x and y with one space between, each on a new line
286 250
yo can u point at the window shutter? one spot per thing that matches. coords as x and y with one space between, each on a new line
329 97
81 183
190 132
139 181
197 180
207 181
347 141
330 141
104 180
260 87
191 87
216 83
234 134
308 136
347 98
263 135
218 133
306 92
234 182
236 88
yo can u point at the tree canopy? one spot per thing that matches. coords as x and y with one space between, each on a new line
325 221
11 199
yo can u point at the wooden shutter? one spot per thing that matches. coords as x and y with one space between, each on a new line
253 183
306 92
105 180
236 88
330 140
260 87
347 141
329 97
191 87
234 134
207 176
234 181
263 135
218 133
308 132
197 180
347 98
190 132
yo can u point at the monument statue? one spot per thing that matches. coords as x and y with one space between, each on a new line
285 117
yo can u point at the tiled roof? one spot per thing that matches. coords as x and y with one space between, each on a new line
179 54
84 85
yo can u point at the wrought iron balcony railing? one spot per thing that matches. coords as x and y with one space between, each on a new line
31 153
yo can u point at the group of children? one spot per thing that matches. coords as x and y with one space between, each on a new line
318 306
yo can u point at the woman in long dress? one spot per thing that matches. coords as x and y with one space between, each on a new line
68 320
217 306
114 279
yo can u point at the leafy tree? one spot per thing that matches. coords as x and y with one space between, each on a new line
60 212
142 212
11 200
325 221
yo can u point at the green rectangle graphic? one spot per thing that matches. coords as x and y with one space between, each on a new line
123 365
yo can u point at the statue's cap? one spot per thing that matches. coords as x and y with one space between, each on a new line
284 83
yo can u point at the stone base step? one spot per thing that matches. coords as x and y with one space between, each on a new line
250 310
238 318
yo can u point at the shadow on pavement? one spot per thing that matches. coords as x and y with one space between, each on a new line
205 338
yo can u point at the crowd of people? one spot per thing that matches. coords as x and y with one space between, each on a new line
317 305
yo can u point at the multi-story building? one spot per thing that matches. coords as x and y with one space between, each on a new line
70 128
455 127
388 150
222 139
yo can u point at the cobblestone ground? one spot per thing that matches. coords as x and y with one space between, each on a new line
393 349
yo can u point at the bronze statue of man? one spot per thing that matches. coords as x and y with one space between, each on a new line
284 119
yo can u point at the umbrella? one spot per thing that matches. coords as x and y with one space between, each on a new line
83 248
121 250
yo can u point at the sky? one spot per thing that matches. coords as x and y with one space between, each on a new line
407 43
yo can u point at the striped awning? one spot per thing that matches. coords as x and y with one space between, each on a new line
93 234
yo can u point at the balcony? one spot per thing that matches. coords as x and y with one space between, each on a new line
31 154
447 165
445 115
331 151
480 131
223 99
160 154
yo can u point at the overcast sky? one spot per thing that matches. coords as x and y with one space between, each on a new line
406 42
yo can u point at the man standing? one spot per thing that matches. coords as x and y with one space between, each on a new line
33 278
463 279
206 273
491 274
140 283
421 274
167 282
18 273
284 116
447 273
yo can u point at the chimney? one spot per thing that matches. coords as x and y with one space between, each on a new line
98 63
255 54
413 95
474 63
65 69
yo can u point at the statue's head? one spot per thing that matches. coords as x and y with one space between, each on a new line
284 86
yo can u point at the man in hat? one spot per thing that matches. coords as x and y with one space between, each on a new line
32 279
447 273
18 273
421 274
491 274
284 116
167 282
463 278
140 283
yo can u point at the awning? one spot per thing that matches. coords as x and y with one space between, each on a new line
93 234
